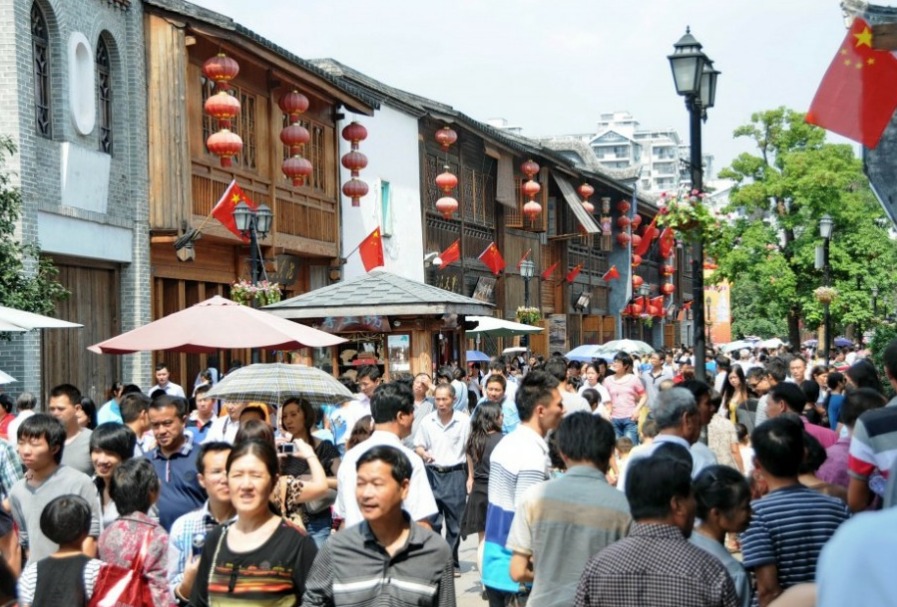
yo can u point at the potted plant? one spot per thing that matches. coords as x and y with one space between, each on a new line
686 212
245 293
528 316
825 294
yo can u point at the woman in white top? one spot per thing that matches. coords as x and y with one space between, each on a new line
110 444
593 380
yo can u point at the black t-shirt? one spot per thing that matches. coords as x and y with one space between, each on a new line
481 469
296 466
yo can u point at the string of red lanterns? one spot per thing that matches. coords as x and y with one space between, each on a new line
530 189
223 107
355 188
585 192
295 136
446 181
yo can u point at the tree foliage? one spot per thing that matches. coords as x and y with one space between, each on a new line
780 194
27 280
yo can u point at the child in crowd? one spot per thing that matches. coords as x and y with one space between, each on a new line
68 575
623 451
744 446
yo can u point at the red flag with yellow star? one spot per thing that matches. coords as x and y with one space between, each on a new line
223 210
371 251
858 94
493 259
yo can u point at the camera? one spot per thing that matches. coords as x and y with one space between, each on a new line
286 448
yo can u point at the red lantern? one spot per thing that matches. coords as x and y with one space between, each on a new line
627 311
294 137
623 206
355 189
586 191
446 137
636 222
292 104
529 168
637 309
636 261
354 161
668 289
655 311
588 206
221 69
223 107
355 132
446 181
668 270
637 281
622 222
297 168
531 209
447 206
531 188
225 144
636 240
623 239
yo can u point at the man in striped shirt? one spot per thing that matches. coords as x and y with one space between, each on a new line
518 462
791 523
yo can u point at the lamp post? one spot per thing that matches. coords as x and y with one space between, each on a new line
825 230
255 224
695 79
527 271
874 302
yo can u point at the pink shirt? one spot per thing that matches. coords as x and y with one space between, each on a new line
624 394
826 436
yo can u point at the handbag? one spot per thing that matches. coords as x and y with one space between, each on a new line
122 587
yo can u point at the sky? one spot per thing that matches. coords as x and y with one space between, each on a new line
553 67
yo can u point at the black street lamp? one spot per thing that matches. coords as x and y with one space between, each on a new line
695 79
527 271
825 231
254 224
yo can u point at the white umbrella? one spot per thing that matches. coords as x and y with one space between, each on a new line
498 327
771 343
25 321
630 346
6 378
750 344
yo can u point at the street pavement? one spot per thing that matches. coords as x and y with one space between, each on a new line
467 587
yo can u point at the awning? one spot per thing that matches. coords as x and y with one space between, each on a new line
582 216
499 327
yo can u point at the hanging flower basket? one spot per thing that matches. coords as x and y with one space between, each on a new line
529 316
686 213
825 295
245 293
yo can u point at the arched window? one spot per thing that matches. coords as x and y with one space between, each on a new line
104 96
40 45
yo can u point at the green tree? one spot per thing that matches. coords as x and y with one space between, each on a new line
782 191
36 290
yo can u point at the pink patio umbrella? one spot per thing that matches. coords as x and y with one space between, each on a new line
217 324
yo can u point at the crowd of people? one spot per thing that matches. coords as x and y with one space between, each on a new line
623 482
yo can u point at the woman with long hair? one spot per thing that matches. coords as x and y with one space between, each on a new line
735 393
862 374
485 432
259 559
110 445
627 397
297 419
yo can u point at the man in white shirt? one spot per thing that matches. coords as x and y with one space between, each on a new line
224 428
393 412
162 383
368 380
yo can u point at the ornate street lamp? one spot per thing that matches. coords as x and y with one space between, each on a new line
825 231
695 79
527 271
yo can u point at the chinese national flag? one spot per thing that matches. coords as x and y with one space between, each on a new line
524 258
451 254
371 251
493 259
648 236
858 94
572 274
611 274
550 270
667 240
223 210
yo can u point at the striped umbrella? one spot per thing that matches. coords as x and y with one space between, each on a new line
276 382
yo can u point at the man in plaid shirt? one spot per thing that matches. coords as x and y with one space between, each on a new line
10 472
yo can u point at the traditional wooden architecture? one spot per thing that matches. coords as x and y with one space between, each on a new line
189 170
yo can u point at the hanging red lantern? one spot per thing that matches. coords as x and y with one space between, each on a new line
588 206
355 132
668 270
446 137
447 206
221 69
294 137
636 221
627 311
623 239
636 240
355 189
666 254
223 107
297 168
668 289
636 260
225 144
446 181
622 222
354 161
637 309
529 168
531 209
292 104
637 281
531 188
655 311
623 206
586 191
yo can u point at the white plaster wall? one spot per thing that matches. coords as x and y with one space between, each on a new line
394 156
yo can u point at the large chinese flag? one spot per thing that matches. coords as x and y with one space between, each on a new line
223 210
648 236
451 254
371 251
858 94
493 259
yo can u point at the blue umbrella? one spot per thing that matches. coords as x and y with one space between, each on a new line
589 352
842 342
475 356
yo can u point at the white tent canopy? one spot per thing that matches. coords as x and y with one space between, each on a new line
498 327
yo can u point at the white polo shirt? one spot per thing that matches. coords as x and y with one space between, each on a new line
446 443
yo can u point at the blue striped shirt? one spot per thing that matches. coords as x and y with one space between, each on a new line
519 461
788 529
